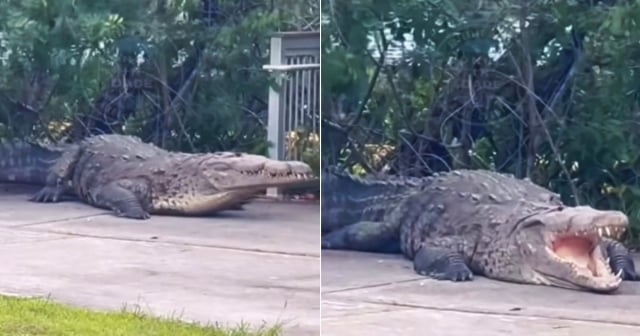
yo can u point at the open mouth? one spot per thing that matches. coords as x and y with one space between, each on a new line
581 251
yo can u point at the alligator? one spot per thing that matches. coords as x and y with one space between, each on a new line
462 223
135 179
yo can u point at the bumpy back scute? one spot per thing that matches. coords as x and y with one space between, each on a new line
478 203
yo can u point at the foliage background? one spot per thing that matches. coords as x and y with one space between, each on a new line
186 75
541 89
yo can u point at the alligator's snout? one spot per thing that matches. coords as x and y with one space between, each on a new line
574 254
613 224
279 169
612 231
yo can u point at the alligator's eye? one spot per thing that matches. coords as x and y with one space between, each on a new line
529 224
219 166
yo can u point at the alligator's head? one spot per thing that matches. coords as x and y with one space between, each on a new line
208 183
238 171
562 247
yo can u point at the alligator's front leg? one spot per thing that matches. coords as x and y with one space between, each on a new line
442 259
127 198
364 236
58 177
620 259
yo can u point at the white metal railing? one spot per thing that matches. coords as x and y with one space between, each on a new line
291 67
294 104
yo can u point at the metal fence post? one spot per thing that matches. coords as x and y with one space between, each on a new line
275 122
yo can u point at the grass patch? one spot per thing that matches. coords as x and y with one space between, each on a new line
39 317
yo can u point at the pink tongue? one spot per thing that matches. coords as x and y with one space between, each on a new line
576 250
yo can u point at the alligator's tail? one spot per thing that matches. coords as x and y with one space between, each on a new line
24 162
345 198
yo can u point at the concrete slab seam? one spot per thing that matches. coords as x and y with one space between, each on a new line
55 221
382 284
153 241
510 314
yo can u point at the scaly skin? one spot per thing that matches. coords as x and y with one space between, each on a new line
28 163
136 179
347 199
465 222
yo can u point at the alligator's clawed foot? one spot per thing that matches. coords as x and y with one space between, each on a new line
624 264
455 272
334 240
449 266
630 275
133 213
325 244
47 194
620 260
458 272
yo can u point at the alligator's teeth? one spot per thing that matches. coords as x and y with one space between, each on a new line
619 275
600 232
608 260
606 229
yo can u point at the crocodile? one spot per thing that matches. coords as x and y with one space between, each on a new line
135 179
462 223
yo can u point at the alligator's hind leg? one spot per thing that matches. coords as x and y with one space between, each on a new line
58 177
126 197
442 260
620 259
364 236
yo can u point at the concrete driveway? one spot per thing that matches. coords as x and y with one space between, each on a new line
375 294
259 265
